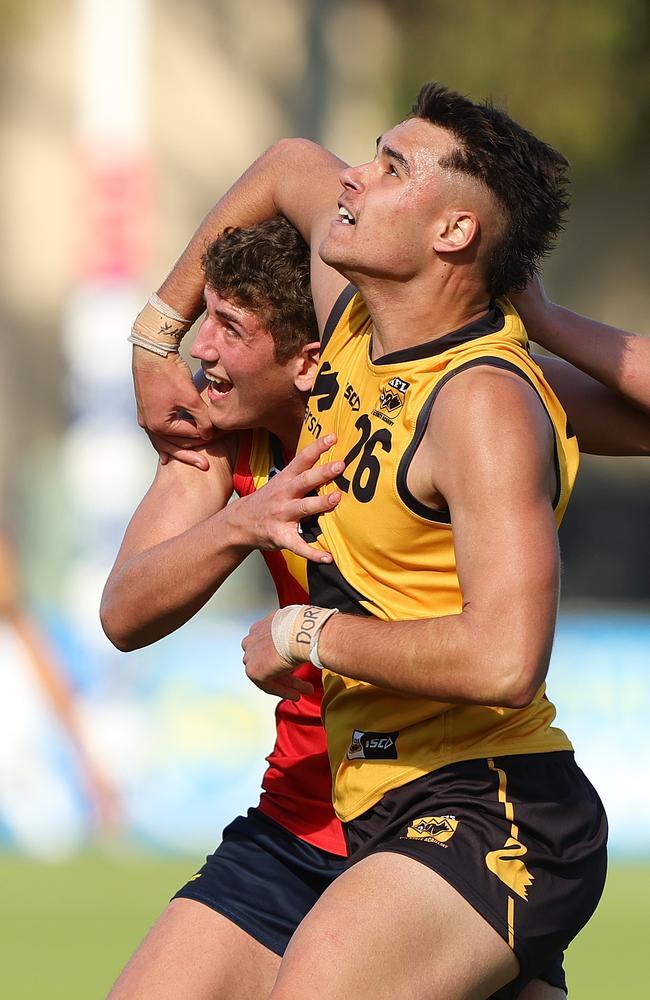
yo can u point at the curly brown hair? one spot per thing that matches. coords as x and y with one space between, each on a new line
265 268
527 177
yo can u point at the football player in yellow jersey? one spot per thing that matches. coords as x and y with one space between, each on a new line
421 220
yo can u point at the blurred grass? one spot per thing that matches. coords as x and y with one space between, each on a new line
609 958
67 929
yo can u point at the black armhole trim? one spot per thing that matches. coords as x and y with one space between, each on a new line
443 516
338 309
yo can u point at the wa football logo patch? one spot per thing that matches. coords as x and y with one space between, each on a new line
391 397
372 746
434 829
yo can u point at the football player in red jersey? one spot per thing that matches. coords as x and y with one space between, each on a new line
224 932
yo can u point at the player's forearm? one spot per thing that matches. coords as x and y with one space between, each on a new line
604 421
270 186
618 359
151 593
249 200
458 658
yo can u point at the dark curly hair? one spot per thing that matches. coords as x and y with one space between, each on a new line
527 177
265 268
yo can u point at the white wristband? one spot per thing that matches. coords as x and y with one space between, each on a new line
150 345
295 631
166 310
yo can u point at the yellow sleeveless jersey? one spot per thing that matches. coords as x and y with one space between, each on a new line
394 557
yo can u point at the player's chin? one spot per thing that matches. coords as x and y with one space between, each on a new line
223 416
333 250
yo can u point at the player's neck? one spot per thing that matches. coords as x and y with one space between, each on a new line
286 423
415 312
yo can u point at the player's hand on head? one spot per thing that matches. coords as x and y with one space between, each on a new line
273 514
534 307
266 668
169 405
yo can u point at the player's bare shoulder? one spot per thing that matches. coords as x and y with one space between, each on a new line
487 431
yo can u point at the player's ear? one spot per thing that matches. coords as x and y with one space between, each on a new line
306 366
455 231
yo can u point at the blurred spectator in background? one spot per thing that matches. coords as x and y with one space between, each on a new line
35 686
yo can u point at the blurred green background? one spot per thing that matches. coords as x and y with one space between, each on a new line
68 929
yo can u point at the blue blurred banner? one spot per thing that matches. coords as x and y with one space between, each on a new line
176 729
180 735
600 683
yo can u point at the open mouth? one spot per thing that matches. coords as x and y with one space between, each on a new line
217 386
346 217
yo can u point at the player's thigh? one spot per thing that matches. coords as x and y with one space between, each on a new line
391 928
195 953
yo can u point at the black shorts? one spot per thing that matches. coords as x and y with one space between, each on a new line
263 878
521 838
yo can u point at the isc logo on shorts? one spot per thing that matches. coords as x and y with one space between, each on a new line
373 746
435 829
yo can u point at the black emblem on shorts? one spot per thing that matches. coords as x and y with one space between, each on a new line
373 746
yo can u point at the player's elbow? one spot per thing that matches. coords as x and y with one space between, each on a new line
520 677
113 622
518 695
296 149
299 153
301 157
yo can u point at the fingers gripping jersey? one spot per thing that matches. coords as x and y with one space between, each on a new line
394 557
297 787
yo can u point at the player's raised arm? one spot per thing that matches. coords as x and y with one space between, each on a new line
295 178
605 422
614 422
185 538
176 551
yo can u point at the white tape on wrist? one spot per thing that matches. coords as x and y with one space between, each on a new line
295 631
150 345
159 328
